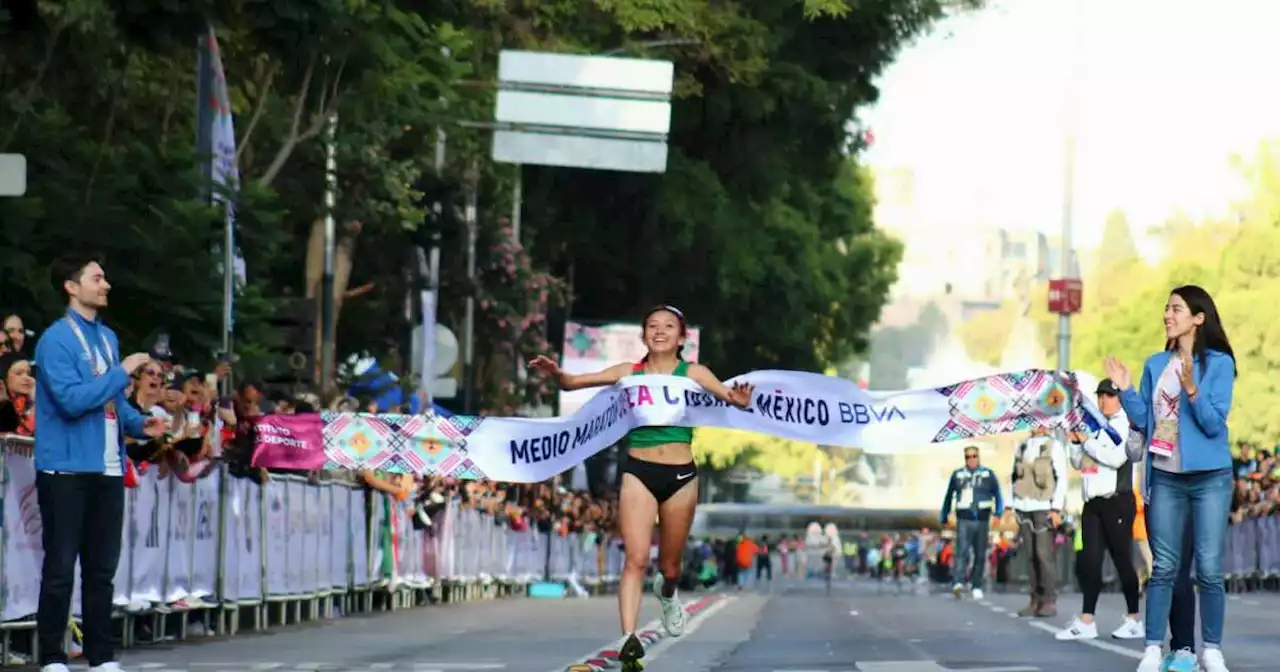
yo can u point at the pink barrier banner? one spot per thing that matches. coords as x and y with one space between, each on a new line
290 442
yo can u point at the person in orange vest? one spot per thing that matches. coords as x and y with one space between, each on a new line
1140 539
747 549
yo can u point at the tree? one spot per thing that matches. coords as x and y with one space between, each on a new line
1117 247
986 333
761 226
111 86
763 218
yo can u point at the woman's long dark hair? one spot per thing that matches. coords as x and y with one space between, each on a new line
1210 335
684 328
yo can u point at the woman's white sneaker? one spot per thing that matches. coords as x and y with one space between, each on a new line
1211 660
1078 629
1151 659
1129 629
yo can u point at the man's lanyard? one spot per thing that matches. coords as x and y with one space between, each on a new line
94 361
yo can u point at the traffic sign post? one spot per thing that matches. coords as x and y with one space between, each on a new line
1066 296
13 175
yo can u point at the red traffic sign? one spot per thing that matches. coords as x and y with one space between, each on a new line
1066 295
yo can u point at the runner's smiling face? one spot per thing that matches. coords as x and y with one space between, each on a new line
663 332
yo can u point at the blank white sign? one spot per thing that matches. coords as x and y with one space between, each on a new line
13 175
586 72
575 151
597 114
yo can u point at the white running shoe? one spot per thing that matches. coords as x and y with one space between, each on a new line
1151 658
1129 629
112 666
672 610
1211 660
956 589
55 667
977 594
1078 629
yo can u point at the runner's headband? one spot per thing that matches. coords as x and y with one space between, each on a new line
669 308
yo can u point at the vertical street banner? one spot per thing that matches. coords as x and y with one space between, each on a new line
216 138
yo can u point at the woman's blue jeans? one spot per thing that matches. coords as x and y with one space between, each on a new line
1203 501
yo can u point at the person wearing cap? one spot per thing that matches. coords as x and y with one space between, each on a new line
1106 521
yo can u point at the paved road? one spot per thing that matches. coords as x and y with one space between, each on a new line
789 627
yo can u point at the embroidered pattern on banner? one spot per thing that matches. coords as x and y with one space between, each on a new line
1009 402
418 444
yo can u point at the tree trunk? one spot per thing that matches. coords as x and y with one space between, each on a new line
343 257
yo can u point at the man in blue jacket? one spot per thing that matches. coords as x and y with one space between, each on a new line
974 493
79 460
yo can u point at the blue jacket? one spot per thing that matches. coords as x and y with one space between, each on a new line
986 501
1202 426
71 419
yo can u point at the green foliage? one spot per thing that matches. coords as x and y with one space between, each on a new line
1117 246
514 299
761 227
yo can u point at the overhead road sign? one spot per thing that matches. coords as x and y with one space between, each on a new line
595 112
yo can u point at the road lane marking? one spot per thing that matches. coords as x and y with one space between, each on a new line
692 627
1097 644
653 626
901 666
322 667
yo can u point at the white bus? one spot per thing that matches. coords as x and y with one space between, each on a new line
718 521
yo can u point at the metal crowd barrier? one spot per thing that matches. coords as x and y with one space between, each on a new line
1252 559
1250 563
215 550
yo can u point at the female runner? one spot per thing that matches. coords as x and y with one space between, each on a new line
1182 406
659 478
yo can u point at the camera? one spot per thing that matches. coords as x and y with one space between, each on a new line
160 350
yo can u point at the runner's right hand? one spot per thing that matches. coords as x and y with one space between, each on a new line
546 365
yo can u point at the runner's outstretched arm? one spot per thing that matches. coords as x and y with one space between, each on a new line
570 381
739 395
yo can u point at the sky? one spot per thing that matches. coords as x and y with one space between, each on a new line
1168 92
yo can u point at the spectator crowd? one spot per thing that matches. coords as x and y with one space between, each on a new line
205 427
1257 492
208 423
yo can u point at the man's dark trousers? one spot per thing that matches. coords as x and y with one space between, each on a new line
82 516
972 536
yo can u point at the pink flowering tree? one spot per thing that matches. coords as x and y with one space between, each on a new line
512 300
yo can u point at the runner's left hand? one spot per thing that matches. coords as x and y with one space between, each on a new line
741 393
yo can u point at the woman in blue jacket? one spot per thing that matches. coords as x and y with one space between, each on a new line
1182 404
